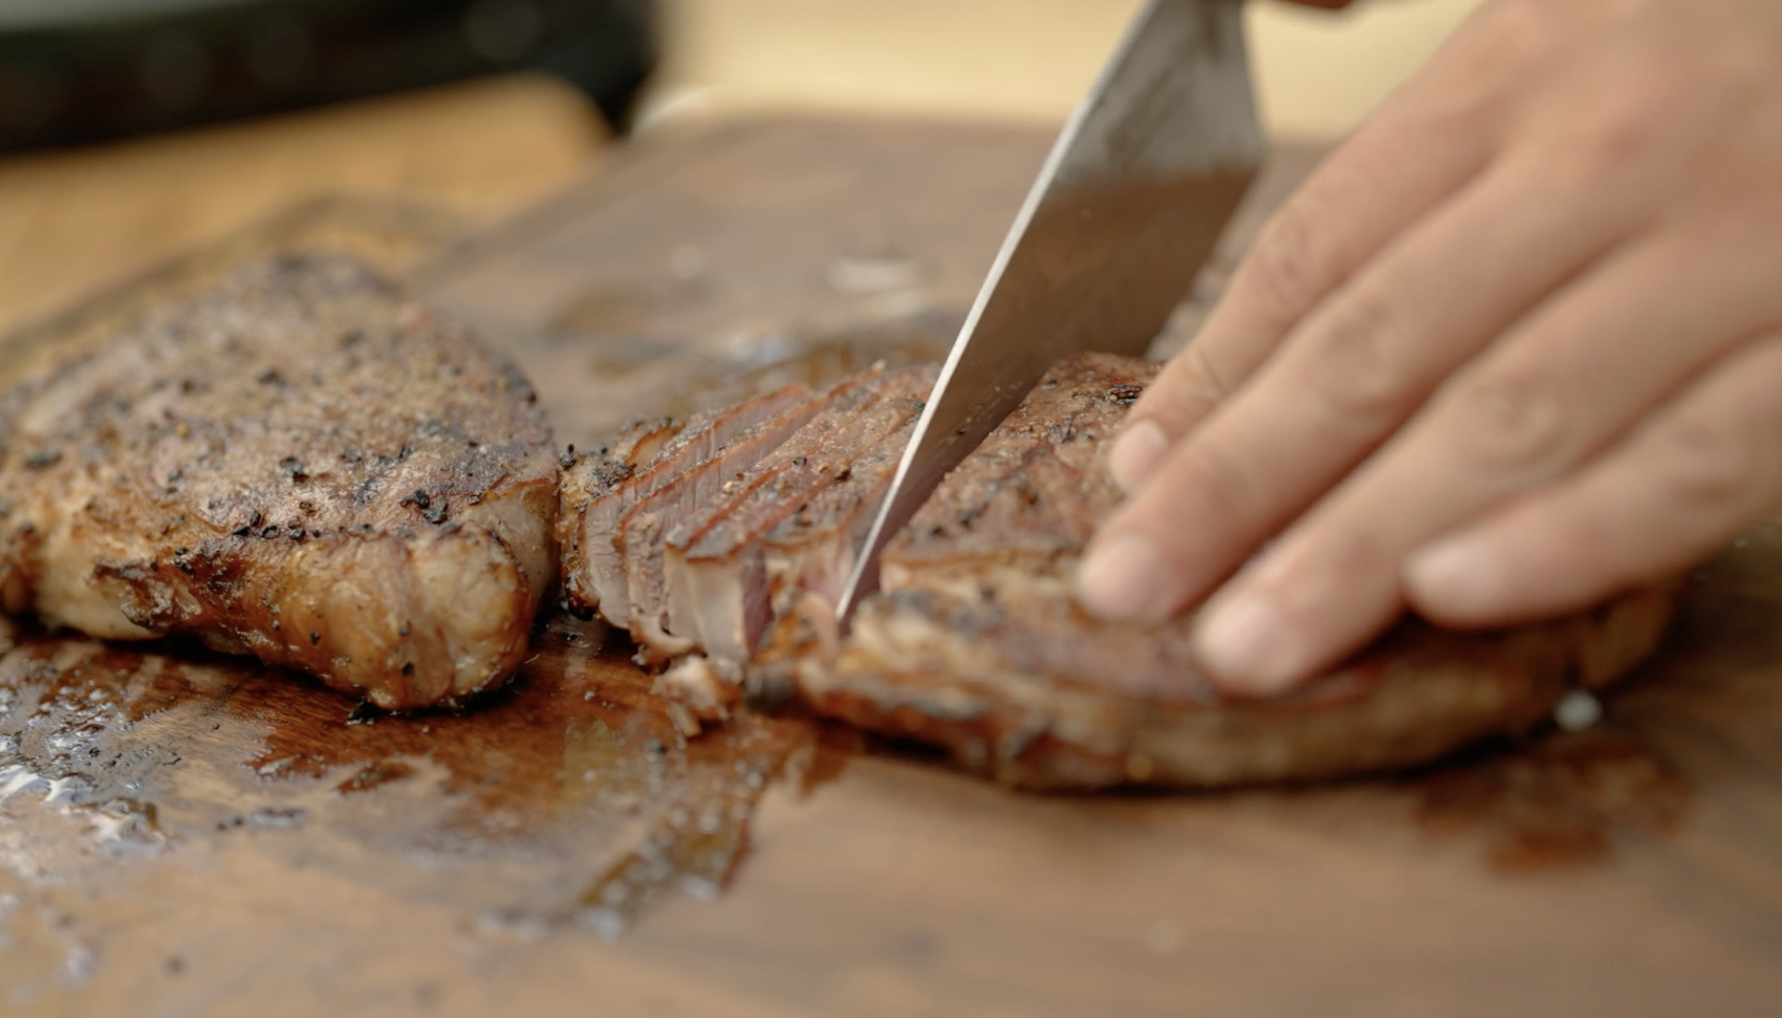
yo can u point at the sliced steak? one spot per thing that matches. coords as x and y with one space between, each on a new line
1014 684
303 465
644 527
816 548
591 476
975 644
608 486
715 569
1037 487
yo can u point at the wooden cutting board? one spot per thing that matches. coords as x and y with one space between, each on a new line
182 834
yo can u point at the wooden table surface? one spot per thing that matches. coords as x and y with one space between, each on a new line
75 222
182 834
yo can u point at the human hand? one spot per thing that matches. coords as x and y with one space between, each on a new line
1515 346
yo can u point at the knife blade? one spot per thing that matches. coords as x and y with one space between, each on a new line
1127 207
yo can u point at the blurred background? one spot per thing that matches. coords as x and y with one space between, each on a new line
131 130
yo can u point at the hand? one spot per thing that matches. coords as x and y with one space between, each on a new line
1517 345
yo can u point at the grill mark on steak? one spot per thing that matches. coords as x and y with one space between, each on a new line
815 549
643 527
301 464
766 487
715 570
591 476
975 644
600 582
716 526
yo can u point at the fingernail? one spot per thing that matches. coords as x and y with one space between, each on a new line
1123 578
1455 575
1136 453
1247 645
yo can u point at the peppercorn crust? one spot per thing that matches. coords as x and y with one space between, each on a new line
302 464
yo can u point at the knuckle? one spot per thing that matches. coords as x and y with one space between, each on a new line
1363 551
1288 269
1354 359
1614 136
1514 35
1511 421
1634 125
1218 481
1200 384
1709 461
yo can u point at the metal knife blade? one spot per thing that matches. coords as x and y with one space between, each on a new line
1129 204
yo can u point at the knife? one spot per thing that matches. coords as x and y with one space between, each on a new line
1126 210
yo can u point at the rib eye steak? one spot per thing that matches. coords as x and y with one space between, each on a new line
303 465
975 643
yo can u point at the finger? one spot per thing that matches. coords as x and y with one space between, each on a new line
1594 359
1350 375
1696 476
1424 145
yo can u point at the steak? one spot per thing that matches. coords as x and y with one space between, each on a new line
976 645
816 548
717 573
643 526
593 476
600 489
303 465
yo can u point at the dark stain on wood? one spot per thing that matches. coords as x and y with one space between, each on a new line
1559 803
574 768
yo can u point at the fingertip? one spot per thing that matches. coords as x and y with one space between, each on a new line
1243 642
1124 578
1455 580
1137 453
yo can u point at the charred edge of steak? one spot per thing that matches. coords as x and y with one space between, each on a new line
1417 695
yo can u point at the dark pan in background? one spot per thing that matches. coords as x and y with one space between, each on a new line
79 71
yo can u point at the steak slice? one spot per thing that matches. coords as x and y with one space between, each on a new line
716 568
976 645
644 526
606 486
816 548
303 465
592 475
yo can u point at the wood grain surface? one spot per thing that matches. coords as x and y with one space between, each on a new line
182 834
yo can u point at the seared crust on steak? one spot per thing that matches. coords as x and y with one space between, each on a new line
977 646
1027 691
591 476
303 465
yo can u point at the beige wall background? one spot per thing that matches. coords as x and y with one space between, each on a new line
74 222
1317 73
